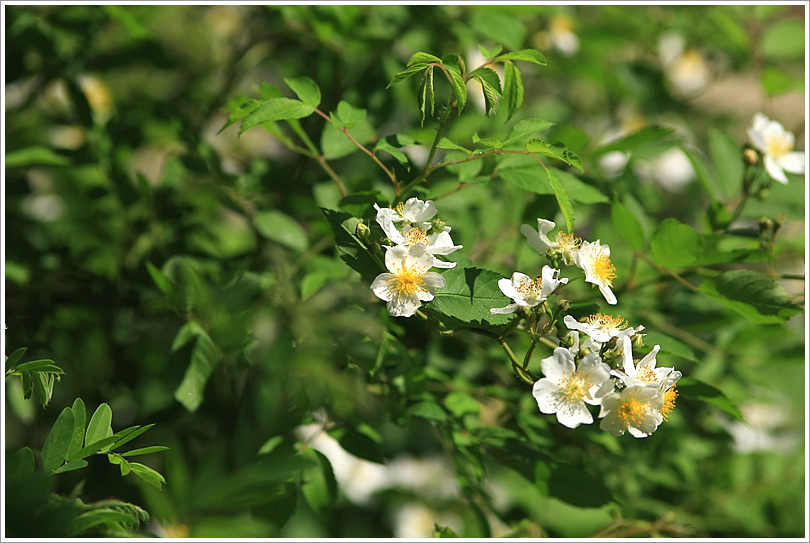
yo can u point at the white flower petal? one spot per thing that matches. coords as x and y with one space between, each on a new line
544 391
511 308
415 210
608 294
403 306
793 162
562 361
775 169
572 415
508 290
381 286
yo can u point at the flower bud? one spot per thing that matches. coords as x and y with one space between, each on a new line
638 341
569 339
750 156
362 231
437 226
563 304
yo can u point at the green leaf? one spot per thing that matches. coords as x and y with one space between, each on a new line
490 100
38 365
728 161
21 464
562 199
306 89
459 88
425 88
36 155
347 115
27 384
529 55
268 91
461 403
350 248
467 297
675 245
54 451
161 281
147 474
705 175
566 484
636 141
578 190
408 72
512 88
360 445
15 356
692 388
318 484
94 447
275 109
524 129
445 143
43 382
556 150
280 227
125 469
443 531
669 345
71 466
204 358
487 75
145 450
422 58
784 40
84 522
99 426
125 436
490 53
79 422
395 141
628 226
336 144
427 410
495 143
754 295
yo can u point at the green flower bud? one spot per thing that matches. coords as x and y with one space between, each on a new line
362 231
638 341
437 227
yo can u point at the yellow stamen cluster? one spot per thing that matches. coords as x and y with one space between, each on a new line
408 281
531 288
606 322
566 245
669 402
603 269
647 374
414 236
779 145
400 209
575 387
632 412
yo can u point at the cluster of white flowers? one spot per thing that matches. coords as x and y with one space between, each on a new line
417 240
635 398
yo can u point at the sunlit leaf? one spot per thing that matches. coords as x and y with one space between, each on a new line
57 444
306 89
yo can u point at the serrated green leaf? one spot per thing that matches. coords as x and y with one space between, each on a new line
754 295
467 297
488 76
627 225
495 143
728 161
145 450
15 356
79 422
421 58
459 88
490 53
54 451
275 109
99 426
562 199
692 388
277 226
490 100
421 97
268 91
675 245
556 150
36 155
350 248
239 107
445 143
406 73
529 55
524 129
347 115
512 88
306 89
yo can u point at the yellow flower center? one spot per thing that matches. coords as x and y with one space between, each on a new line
669 402
414 236
646 374
606 322
603 269
409 280
575 387
531 288
779 145
567 243
400 208
632 412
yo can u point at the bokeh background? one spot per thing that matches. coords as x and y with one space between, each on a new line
116 164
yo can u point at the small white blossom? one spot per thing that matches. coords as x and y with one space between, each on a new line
776 146
594 259
636 410
601 328
437 244
527 292
565 389
414 212
565 245
409 283
645 373
562 36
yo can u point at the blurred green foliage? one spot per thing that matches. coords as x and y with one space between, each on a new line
185 275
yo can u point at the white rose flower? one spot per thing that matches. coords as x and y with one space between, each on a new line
409 283
636 410
566 244
594 259
601 328
645 373
527 292
776 146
